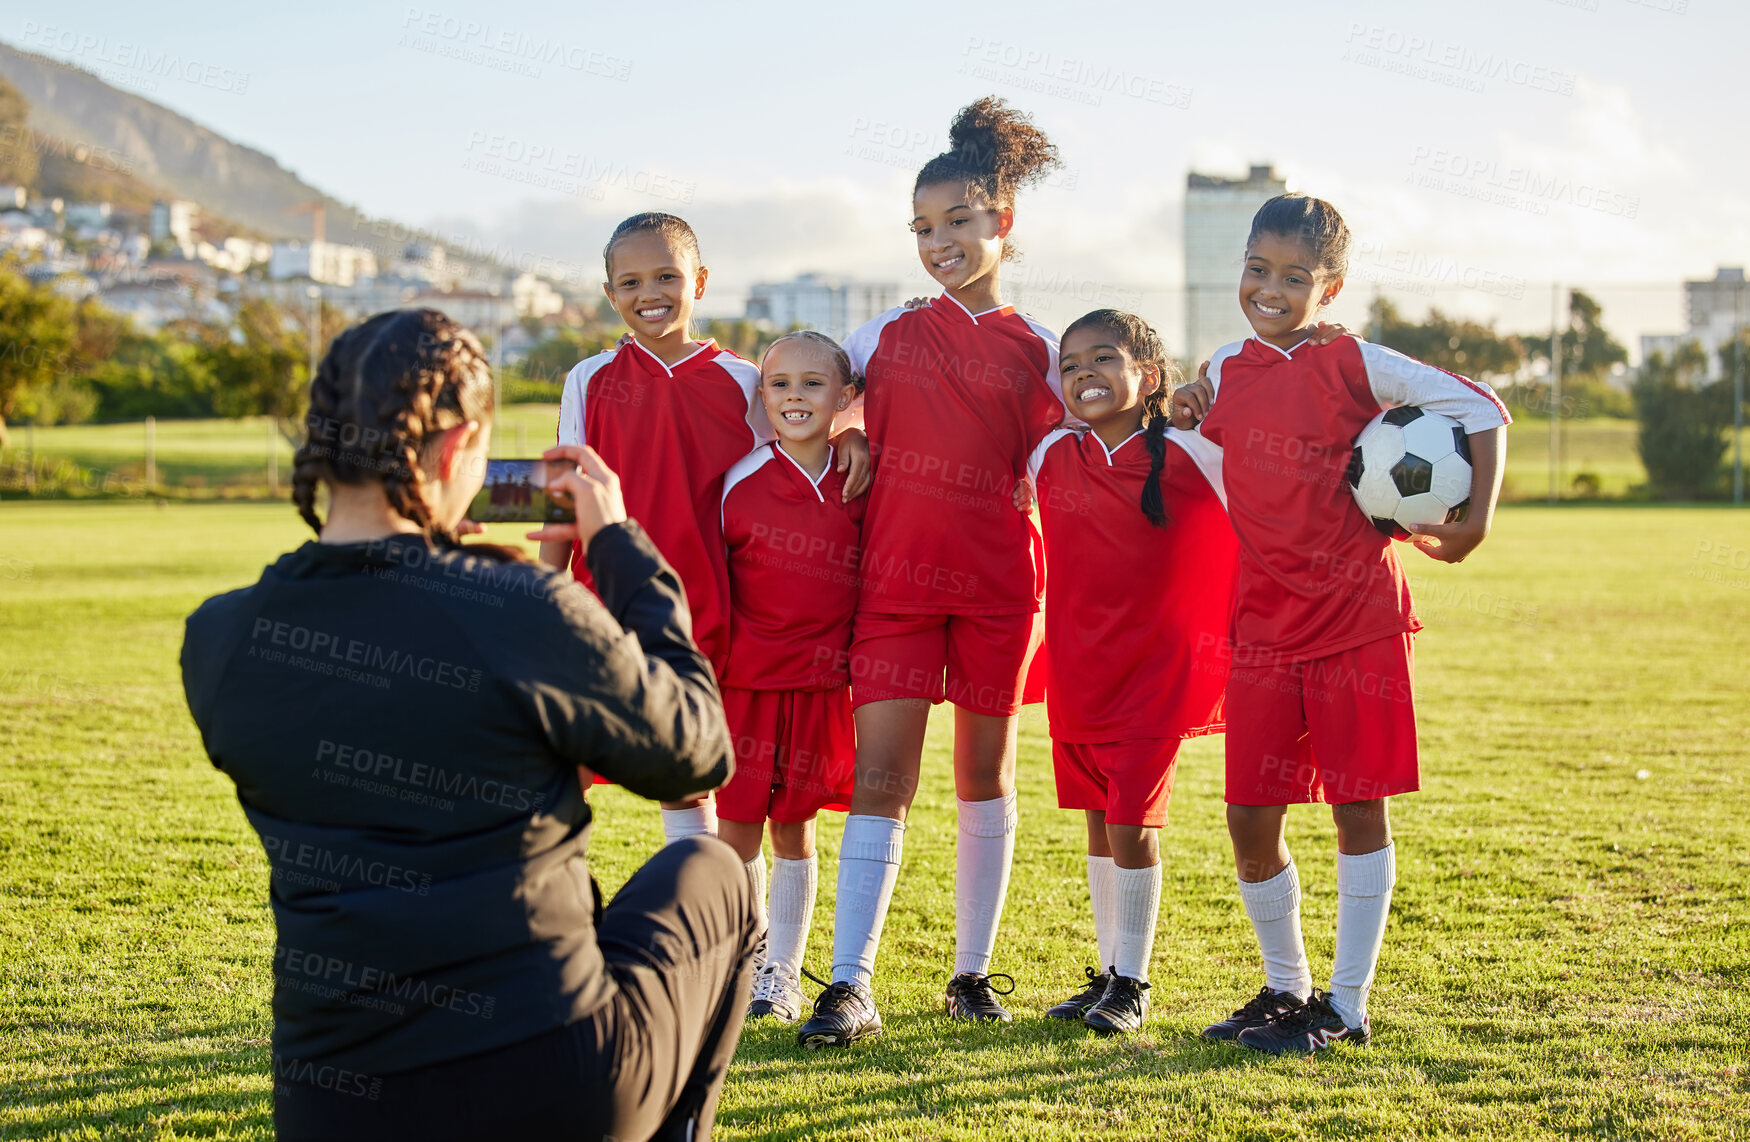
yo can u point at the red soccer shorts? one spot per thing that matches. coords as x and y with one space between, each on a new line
795 754
1336 729
1130 780
977 662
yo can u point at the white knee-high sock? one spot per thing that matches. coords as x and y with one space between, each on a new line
756 881
678 823
868 868
1138 894
981 879
793 887
1100 891
1274 906
1364 885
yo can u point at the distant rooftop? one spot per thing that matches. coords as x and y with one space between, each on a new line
1260 172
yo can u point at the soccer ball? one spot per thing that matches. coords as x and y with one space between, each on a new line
1411 466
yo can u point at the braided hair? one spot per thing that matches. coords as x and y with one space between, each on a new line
1144 347
995 148
387 387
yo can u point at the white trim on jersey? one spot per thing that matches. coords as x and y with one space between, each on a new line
747 375
1398 380
572 400
704 345
1205 454
1220 355
1037 460
1111 452
860 347
1053 379
739 471
813 481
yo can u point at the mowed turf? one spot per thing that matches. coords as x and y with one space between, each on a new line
1567 954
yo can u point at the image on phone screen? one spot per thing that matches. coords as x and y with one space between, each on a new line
515 491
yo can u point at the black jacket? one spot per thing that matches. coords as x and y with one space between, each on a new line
404 724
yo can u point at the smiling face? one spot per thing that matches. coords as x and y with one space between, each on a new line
1102 383
1280 290
652 285
960 235
801 387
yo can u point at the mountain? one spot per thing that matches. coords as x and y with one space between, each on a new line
164 148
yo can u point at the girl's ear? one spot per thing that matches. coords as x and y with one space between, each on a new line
456 441
1331 292
1005 221
1151 380
699 283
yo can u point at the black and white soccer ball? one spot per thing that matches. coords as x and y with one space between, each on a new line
1411 466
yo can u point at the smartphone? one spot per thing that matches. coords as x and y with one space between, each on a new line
515 491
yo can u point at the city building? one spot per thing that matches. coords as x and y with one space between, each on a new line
1716 309
835 306
533 297
326 262
85 215
175 222
1218 218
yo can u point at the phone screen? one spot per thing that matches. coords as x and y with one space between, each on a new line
515 491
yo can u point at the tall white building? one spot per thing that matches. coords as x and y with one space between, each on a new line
1218 218
327 262
175 221
835 306
1716 310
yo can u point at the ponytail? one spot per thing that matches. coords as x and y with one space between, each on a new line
1144 347
995 148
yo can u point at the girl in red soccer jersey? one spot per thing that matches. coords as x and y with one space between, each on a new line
1125 504
1319 699
958 393
672 415
794 543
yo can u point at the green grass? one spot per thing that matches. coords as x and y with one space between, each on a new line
1567 955
213 457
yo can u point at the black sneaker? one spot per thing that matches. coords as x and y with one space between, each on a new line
1258 1010
971 996
1122 1008
1077 1005
844 1013
1312 1026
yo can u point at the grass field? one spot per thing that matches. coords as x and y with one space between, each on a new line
1568 955
213 457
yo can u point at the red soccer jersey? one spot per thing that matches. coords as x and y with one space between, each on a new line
1315 576
1134 614
671 434
794 546
954 402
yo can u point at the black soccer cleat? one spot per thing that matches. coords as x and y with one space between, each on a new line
971 996
844 1014
1077 1005
1313 1026
1258 1010
1121 1009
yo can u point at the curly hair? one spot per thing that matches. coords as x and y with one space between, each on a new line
997 149
1144 347
387 387
1311 221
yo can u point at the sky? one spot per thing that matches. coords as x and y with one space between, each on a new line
1481 152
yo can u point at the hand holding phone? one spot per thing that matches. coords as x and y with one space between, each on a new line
593 489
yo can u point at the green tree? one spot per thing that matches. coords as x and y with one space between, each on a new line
1451 343
18 156
1683 421
1588 349
38 330
259 363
